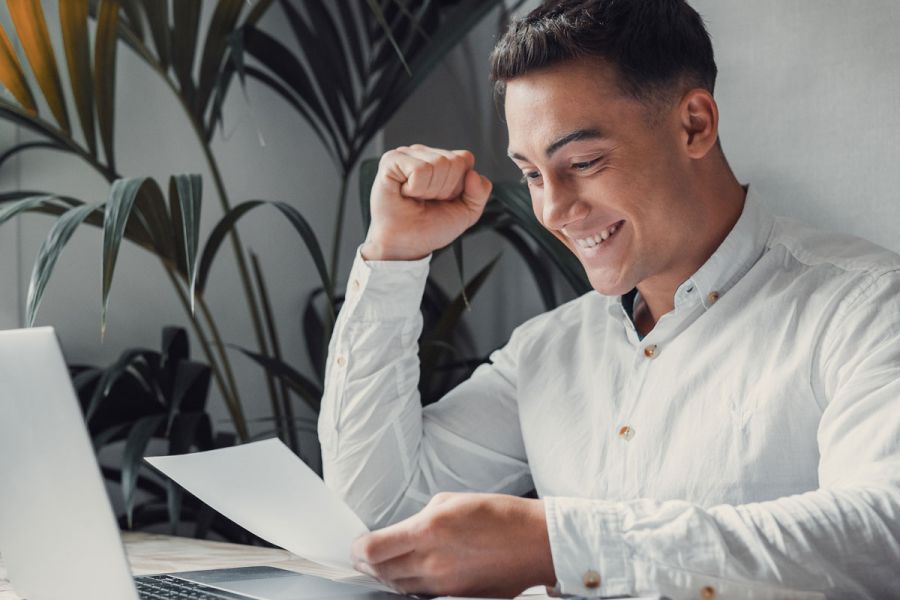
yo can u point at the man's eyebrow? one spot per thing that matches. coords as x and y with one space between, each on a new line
574 136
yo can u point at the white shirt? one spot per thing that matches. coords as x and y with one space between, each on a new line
750 443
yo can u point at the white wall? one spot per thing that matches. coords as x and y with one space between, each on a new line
808 92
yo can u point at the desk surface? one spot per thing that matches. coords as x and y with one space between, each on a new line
153 553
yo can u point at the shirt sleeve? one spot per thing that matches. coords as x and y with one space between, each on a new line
381 452
842 539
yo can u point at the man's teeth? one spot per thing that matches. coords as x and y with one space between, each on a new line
598 238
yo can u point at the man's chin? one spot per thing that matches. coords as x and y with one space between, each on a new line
609 285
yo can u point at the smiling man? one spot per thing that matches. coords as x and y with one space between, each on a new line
718 417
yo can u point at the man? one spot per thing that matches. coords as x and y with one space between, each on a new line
719 417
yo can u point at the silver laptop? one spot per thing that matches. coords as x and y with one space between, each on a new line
58 536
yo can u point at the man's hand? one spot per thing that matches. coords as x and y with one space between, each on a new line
423 199
487 545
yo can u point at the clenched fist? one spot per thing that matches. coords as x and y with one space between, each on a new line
422 200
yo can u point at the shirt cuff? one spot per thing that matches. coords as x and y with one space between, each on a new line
590 557
386 289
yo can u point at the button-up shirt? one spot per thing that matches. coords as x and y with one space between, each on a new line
748 444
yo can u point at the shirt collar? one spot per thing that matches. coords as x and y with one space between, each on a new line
742 247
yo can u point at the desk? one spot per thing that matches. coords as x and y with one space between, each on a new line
151 553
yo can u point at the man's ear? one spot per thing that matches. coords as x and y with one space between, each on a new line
699 120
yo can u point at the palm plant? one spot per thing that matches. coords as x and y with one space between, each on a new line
356 62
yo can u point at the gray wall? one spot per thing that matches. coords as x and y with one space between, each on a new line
808 92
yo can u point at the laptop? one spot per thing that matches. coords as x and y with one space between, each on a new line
58 536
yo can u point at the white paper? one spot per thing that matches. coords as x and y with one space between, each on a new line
266 489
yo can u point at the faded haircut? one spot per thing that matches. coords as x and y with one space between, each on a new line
657 47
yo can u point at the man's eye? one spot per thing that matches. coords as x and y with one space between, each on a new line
587 164
530 176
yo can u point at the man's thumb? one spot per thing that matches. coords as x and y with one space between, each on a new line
476 190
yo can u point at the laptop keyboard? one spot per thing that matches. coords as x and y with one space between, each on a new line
164 587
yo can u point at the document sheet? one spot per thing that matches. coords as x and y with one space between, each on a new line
266 489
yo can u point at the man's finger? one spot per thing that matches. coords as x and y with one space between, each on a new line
384 544
400 567
477 190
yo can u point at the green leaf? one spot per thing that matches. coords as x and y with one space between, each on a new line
31 30
281 407
228 222
314 335
324 70
32 122
29 146
112 374
121 200
350 27
12 76
223 22
186 17
105 75
453 29
329 140
447 324
368 170
108 436
138 438
542 276
157 12
132 17
458 256
302 385
49 253
188 375
73 18
283 64
385 26
182 433
8 211
326 37
152 216
186 204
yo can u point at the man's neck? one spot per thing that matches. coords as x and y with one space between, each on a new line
657 293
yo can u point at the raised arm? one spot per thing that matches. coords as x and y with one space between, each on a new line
381 452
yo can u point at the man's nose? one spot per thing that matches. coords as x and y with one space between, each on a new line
560 205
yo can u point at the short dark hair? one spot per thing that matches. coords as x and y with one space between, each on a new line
652 44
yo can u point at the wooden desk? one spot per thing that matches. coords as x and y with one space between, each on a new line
154 553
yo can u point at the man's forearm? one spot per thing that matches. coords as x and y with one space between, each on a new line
370 422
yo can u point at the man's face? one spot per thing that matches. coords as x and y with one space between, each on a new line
597 168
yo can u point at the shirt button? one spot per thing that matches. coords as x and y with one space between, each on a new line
713 296
340 360
356 285
626 432
650 351
708 593
591 579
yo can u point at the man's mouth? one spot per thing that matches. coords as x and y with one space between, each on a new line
591 245
600 237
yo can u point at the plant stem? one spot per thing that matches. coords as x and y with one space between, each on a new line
335 253
230 399
236 244
240 421
287 415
